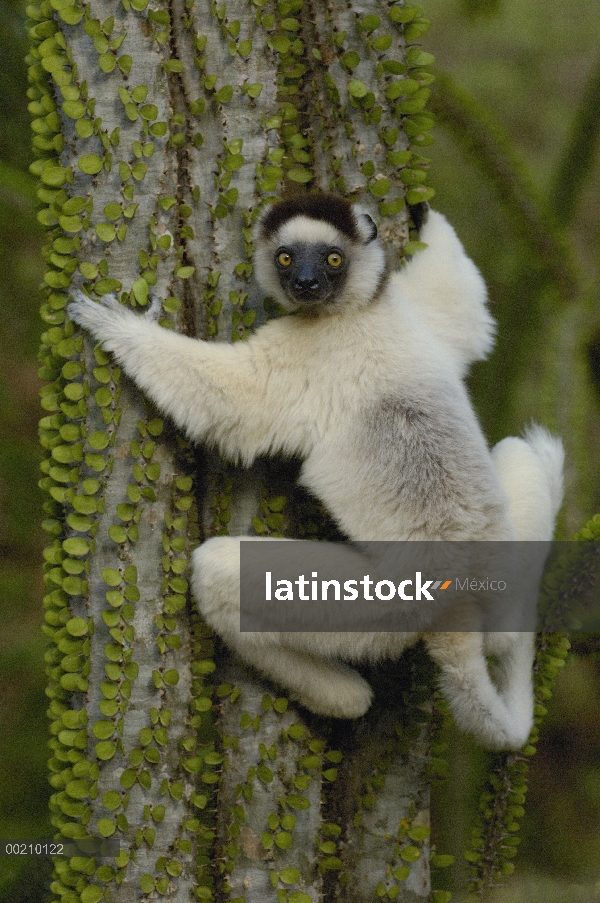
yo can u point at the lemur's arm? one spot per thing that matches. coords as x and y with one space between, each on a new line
214 392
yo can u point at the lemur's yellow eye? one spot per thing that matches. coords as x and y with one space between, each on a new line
334 259
284 259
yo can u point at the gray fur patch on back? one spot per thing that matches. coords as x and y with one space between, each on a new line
429 458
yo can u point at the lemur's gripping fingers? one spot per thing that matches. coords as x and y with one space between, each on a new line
87 313
105 319
154 308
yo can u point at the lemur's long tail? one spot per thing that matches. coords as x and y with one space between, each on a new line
550 451
531 473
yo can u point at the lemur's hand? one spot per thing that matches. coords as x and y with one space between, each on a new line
102 318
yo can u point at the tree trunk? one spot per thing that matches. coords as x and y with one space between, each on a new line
160 131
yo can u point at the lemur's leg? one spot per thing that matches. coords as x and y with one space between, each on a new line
323 685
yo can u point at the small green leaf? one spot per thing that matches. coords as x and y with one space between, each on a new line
357 88
107 62
415 57
128 778
108 285
74 109
106 827
92 894
106 232
147 881
351 59
149 112
145 736
401 873
111 576
111 799
264 774
76 546
410 854
72 224
369 23
138 171
54 176
173 66
419 832
117 533
102 730
140 291
419 194
394 67
297 801
90 164
125 512
130 574
225 94
283 840
158 129
404 13
380 187
155 428
234 162
113 211
281 44
71 15
299 174
383 42
254 90
77 626
105 750
289 876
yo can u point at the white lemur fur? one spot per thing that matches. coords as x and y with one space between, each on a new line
364 382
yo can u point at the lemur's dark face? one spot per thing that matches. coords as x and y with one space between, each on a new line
311 273
318 253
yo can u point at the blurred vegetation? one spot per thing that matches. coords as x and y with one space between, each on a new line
515 165
23 731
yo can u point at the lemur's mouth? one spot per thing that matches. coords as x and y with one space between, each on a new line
308 296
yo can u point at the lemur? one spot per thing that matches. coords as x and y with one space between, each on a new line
363 380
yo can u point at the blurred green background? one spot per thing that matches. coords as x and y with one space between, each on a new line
515 166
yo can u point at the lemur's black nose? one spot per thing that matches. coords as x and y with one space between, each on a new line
306 285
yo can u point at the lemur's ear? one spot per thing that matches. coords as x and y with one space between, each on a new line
259 227
419 214
366 227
